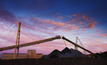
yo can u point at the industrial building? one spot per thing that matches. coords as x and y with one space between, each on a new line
30 54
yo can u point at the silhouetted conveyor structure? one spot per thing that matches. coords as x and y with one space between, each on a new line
30 43
40 41
76 45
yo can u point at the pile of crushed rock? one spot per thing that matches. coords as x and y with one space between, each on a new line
64 53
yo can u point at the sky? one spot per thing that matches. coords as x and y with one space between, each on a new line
41 19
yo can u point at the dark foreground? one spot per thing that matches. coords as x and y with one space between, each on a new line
56 61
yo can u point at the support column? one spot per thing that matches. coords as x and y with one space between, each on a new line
17 42
76 47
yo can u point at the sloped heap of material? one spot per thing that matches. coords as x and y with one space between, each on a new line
65 53
55 54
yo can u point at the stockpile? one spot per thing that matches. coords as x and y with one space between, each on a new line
65 57
65 53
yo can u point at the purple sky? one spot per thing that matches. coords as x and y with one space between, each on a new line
42 19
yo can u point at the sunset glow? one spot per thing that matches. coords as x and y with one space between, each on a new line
41 19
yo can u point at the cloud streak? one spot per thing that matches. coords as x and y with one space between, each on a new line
40 28
83 21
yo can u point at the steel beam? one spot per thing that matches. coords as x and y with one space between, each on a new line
30 43
76 45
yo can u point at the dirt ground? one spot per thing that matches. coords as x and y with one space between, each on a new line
56 61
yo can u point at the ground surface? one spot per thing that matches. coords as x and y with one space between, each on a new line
56 61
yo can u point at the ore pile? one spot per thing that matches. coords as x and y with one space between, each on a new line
65 53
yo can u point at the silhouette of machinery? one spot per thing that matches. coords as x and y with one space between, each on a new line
17 46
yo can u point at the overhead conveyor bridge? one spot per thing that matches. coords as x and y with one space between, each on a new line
30 43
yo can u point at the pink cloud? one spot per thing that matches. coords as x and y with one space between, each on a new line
83 21
84 17
42 25
56 25
69 22
6 16
93 24
95 45
98 48
28 37
99 29
104 34
100 34
42 28
75 15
